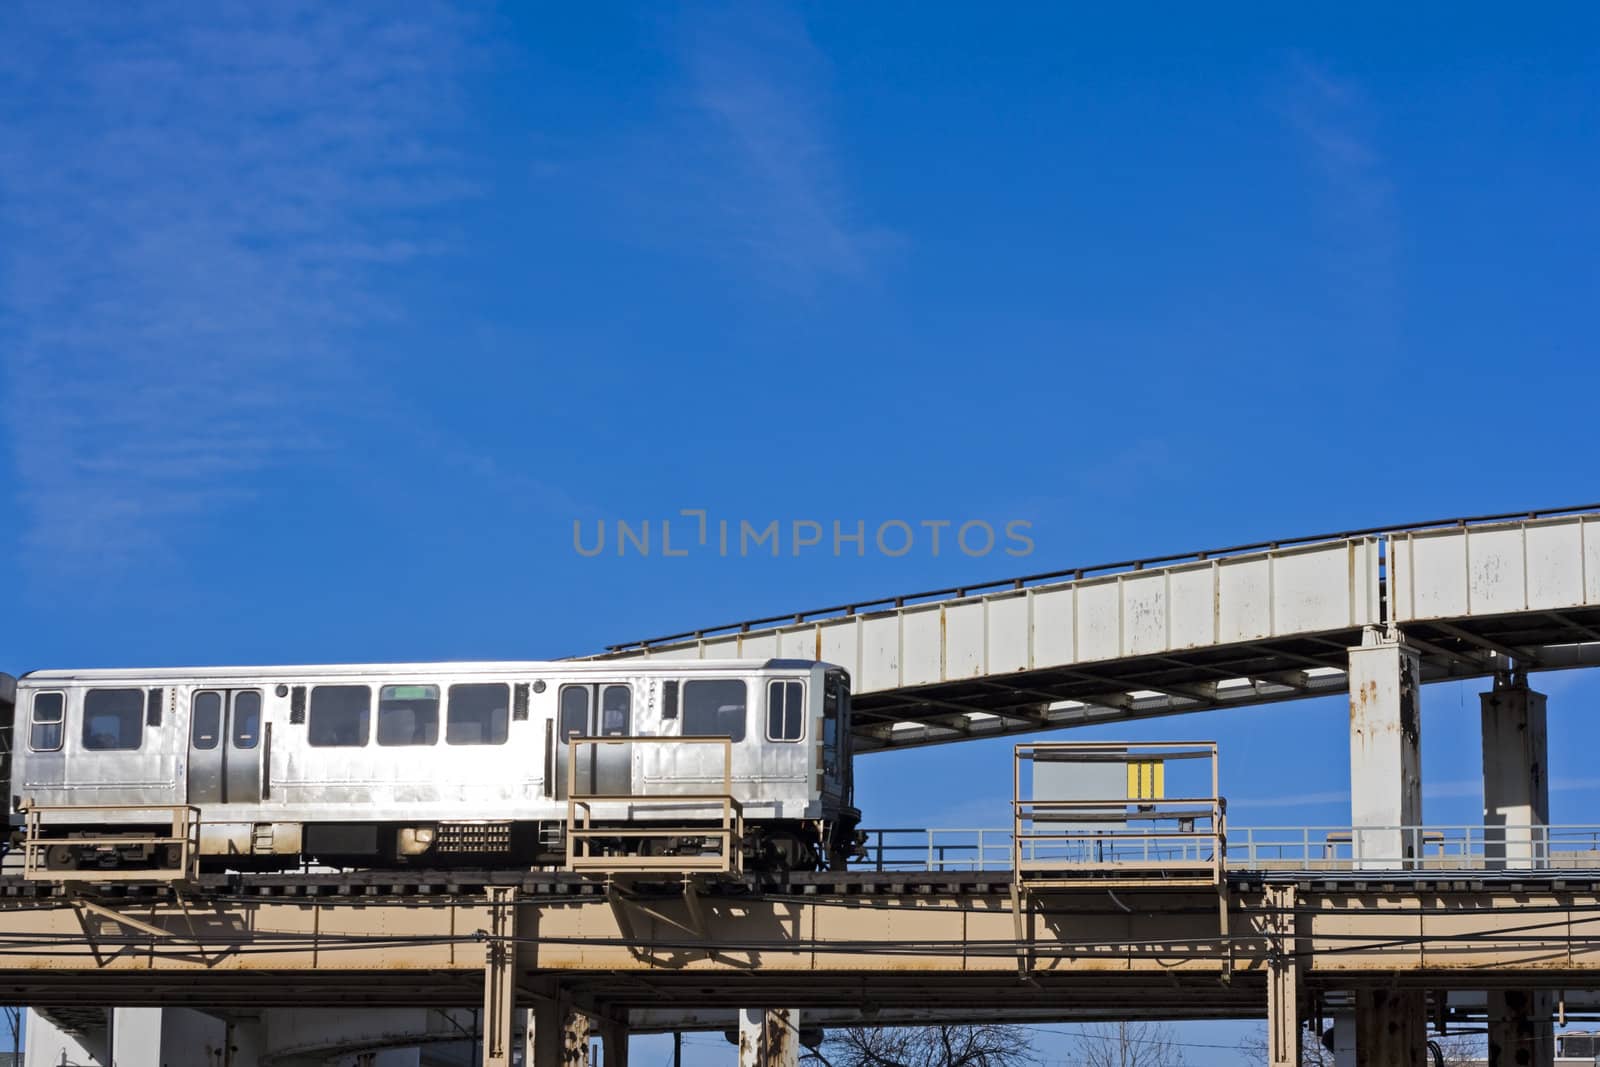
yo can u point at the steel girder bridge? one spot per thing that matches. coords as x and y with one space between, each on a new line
1245 624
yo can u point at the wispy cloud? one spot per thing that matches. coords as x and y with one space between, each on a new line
758 86
759 77
1334 122
195 205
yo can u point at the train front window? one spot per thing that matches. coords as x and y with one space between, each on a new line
786 711
340 716
45 734
408 715
614 709
835 732
715 708
113 719
830 715
478 714
205 720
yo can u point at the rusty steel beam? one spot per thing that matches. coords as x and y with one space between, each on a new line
1284 962
499 978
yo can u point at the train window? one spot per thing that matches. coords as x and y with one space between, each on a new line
340 715
574 711
113 719
205 720
45 735
152 707
477 715
714 708
669 699
246 718
408 715
614 708
786 705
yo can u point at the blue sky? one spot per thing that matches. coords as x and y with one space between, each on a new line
320 326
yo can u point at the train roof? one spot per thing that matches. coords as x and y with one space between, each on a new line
611 667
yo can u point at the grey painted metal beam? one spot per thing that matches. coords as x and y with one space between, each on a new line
1243 626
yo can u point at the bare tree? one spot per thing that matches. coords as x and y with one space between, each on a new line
1129 1044
14 1024
1313 1053
1457 1050
1460 1049
924 1046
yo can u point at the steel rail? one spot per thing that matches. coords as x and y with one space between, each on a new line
957 592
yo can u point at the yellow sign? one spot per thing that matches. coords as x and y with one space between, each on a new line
1147 779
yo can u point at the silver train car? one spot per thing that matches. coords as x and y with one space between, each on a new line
434 764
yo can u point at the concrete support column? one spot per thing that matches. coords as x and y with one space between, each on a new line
1391 1028
1385 753
1344 1039
574 1038
613 1044
1516 814
558 1035
47 1045
546 1038
1386 817
245 1042
769 1037
527 1031
1521 1030
136 1037
1516 788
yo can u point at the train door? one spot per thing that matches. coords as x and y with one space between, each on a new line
8 731
225 746
600 710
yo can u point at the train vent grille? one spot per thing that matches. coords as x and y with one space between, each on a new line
473 837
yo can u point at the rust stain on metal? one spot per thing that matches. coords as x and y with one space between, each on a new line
774 1037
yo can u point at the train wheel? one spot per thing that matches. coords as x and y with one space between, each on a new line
786 850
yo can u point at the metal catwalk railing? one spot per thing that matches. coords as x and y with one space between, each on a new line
1258 848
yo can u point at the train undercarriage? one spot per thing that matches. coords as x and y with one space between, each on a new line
773 847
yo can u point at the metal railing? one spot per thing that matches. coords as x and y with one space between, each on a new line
953 849
1432 848
651 846
1255 848
1152 833
175 855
